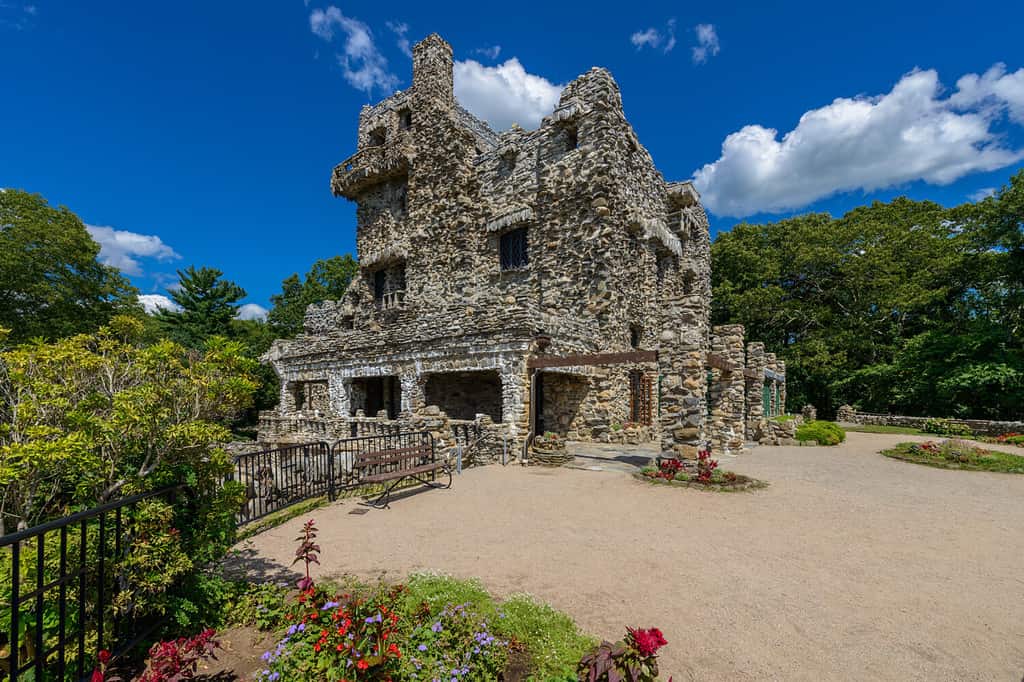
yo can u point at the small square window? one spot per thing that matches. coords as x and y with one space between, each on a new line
378 137
514 251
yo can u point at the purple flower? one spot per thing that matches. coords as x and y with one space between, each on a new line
436 627
422 647
329 605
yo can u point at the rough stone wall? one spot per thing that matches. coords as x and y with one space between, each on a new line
727 428
463 395
979 427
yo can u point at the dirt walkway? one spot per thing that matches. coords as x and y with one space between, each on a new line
850 566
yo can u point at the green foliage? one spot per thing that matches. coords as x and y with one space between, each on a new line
327 280
945 427
957 454
208 307
904 307
553 640
882 428
826 433
263 605
51 283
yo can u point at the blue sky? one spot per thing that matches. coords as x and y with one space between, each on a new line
204 133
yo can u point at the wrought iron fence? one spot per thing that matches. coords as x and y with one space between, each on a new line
59 593
277 479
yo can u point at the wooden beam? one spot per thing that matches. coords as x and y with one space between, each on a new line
753 374
721 362
542 361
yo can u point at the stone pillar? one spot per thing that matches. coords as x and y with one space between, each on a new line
773 405
286 403
682 357
755 390
514 403
412 389
432 70
782 387
339 391
726 430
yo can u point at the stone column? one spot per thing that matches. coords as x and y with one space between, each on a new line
412 389
782 387
682 356
514 404
755 390
772 364
727 399
339 394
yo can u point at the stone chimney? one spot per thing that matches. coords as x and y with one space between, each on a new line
432 75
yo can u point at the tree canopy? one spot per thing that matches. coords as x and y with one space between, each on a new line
327 280
51 283
208 305
903 306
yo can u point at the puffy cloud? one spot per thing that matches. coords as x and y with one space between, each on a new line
505 94
362 64
995 89
251 311
863 143
983 193
655 38
121 248
707 43
154 302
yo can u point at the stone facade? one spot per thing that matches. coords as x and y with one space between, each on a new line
481 253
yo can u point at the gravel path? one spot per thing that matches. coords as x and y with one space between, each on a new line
849 566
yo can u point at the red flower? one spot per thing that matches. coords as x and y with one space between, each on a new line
97 676
647 641
104 656
362 664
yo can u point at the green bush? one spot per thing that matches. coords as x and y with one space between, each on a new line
826 433
945 427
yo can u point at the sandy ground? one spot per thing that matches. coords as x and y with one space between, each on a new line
849 566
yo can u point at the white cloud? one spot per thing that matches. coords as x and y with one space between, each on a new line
655 38
400 30
154 302
121 248
983 193
505 94
995 89
864 143
251 311
491 52
362 64
707 43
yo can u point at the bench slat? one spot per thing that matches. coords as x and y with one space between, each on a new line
392 456
402 473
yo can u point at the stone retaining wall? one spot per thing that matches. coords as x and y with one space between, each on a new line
979 427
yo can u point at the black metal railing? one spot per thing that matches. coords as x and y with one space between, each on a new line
277 479
61 596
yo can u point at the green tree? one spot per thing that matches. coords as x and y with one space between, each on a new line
51 283
327 280
902 306
208 306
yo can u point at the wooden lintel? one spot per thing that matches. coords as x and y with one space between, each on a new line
716 361
540 362
753 374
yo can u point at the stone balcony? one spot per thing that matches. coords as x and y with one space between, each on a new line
370 166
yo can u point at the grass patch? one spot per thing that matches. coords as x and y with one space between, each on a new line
957 455
881 428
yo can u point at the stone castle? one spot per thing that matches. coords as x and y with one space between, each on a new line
517 284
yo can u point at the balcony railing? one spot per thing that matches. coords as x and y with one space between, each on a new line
370 165
392 300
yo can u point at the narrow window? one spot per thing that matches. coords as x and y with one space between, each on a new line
506 164
634 336
572 138
640 398
405 119
400 207
513 249
688 283
378 137
380 283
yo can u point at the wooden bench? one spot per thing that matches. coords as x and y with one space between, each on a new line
398 464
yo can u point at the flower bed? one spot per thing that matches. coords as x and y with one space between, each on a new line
957 454
429 628
704 475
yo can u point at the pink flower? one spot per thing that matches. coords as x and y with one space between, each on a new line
647 641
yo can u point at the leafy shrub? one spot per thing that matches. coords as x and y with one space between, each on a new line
826 433
179 659
263 605
783 418
945 427
1012 438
